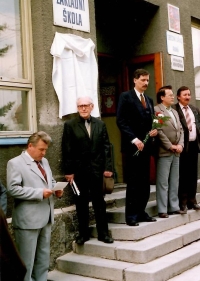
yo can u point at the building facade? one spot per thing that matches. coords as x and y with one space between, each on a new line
162 37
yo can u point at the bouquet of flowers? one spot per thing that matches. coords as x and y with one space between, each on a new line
158 121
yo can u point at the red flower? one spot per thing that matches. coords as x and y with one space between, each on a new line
158 113
160 121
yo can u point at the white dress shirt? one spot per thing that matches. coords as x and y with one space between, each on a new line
192 133
169 109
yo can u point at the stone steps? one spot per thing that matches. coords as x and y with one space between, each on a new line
117 198
125 232
157 251
159 269
144 250
189 275
61 276
116 215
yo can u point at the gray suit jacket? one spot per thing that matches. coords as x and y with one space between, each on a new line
169 135
25 183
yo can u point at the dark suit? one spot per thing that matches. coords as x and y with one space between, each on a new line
3 197
87 158
188 161
11 266
135 122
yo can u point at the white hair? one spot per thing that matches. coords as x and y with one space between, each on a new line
86 97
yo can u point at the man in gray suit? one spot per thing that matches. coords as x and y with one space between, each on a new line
171 140
30 182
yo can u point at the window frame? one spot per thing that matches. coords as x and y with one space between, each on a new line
26 83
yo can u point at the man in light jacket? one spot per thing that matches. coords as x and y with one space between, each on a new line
171 142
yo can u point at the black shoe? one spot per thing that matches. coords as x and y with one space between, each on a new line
106 239
178 212
150 219
80 240
183 208
132 223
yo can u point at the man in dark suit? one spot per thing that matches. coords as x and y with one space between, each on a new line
134 119
3 197
11 266
86 158
189 157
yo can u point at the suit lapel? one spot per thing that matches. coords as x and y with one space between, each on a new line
181 115
166 113
93 126
33 166
149 104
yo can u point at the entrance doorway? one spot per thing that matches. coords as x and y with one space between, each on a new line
115 77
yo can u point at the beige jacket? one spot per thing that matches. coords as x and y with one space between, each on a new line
169 135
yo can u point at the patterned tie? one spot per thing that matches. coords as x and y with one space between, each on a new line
187 118
143 100
41 170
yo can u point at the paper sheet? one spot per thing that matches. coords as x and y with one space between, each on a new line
60 186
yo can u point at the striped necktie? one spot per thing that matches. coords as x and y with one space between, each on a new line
187 118
41 170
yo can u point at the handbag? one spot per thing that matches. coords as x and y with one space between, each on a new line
108 185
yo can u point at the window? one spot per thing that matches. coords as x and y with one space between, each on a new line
17 97
196 57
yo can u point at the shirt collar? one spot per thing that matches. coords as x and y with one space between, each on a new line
169 108
182 106
83 120
138 93
26 152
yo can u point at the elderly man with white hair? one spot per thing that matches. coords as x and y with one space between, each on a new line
86 158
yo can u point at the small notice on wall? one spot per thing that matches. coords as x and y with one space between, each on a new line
72 14
175 44
177 63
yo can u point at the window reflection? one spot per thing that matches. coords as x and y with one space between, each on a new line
13 110
10 39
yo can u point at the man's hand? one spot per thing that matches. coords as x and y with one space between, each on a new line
59 193
153 133
173 147
179 148
108 174
69 178
47 193
139 144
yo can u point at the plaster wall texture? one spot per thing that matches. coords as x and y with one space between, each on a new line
43 31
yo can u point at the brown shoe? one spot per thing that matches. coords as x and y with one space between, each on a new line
163 215
178 212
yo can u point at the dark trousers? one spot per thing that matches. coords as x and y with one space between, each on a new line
138 185
91 190
188 176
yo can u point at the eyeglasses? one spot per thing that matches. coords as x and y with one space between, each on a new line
84 105
169 96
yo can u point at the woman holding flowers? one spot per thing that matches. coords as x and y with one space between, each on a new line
171 142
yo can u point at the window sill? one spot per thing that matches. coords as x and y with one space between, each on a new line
13 141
